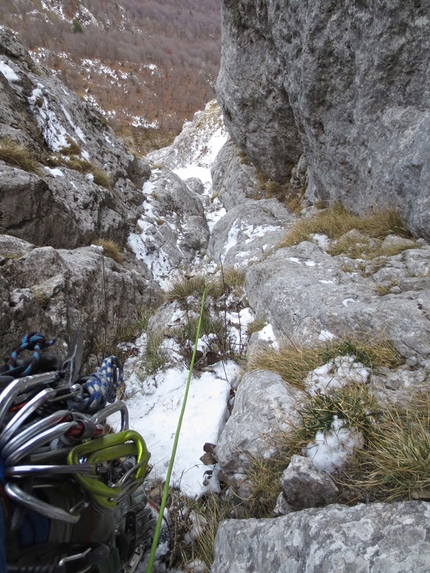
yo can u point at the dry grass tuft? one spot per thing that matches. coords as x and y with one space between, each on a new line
101 178
194 527
395 464
336 221
71 149
293 363
18 155
231 280
264 475
70 161
155 358
255 326
111 249
185 287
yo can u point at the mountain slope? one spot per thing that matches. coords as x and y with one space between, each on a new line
148 66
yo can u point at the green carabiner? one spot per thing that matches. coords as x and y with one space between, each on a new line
106 448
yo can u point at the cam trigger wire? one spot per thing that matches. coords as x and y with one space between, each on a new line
175 444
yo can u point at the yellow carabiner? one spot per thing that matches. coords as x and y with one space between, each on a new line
106 448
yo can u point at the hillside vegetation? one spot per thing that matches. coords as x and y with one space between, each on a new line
148 65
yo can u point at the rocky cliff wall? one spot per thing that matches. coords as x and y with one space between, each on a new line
345 83
66 181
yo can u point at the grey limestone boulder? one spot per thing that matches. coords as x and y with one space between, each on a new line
264 406
233 176
303 291
304 485
248 232
375 538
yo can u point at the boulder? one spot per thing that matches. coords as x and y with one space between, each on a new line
233 176
248 232
304 485
303 292
374 538
264 406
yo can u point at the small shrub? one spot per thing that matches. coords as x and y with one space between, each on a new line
110 249
76 27
18 155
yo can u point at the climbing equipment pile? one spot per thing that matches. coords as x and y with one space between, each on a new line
72 494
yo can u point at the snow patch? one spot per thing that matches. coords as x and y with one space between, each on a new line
331 451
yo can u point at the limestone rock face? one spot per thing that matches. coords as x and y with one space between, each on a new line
375 538
351 81
85 185
250 89
56 291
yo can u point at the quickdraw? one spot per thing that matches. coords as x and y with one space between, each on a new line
52 440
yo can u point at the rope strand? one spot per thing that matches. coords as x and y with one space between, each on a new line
175 444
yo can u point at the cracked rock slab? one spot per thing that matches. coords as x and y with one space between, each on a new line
375 538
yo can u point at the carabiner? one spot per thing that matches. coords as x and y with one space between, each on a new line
109 447
118 406
39 440
20 385
34 429
16 422
32 502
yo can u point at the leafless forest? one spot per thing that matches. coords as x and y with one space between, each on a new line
151 59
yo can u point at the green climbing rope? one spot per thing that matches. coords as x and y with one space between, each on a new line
175 445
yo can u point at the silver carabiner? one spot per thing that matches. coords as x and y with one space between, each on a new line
39 440
20 385
42 470
107 411
31 502
19 418
34 429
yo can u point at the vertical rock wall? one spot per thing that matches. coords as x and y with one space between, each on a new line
352 78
